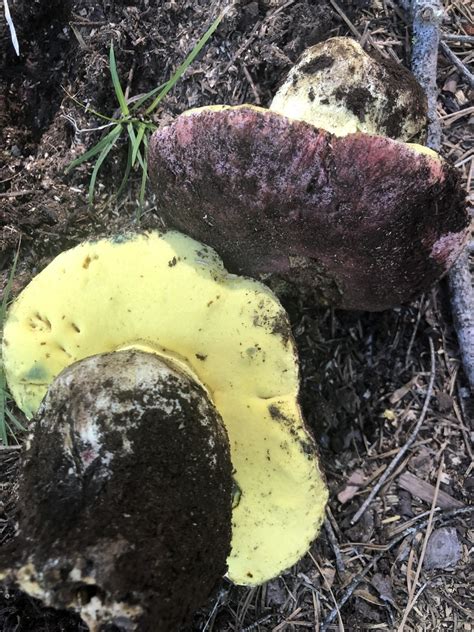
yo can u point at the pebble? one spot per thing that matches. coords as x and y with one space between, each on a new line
443 550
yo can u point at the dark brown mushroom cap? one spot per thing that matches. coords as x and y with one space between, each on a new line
125 495
367 221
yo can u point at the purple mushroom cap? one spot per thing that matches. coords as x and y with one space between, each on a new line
363 221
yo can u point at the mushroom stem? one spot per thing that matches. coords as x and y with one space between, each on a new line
125 495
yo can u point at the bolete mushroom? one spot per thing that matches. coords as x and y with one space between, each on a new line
339 87
127 475
362 220
167 302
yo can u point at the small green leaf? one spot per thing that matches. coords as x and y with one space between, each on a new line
116 81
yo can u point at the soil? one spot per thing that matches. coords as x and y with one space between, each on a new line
365 377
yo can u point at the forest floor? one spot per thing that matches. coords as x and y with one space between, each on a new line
365 377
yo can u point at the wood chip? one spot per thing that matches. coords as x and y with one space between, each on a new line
425 491
355 481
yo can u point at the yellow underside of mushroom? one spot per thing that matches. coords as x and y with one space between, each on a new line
169 294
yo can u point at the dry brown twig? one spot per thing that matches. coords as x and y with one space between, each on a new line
336 605
464 39
413 596
335 545
441 517
411 439
454 59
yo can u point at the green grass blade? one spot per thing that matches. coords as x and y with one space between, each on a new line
93 151
14 420
133 140
3 423
139 102
144 173
3 382
126 173
87 108
8 289
3 408
186 63
139 138
102 156
11 432
116 81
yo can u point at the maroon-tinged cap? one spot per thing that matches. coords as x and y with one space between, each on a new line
364 221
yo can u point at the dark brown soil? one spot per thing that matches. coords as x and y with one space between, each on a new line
364 376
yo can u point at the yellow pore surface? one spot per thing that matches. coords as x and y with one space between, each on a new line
170 294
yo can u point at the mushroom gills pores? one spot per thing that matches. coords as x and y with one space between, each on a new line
124 511
168 295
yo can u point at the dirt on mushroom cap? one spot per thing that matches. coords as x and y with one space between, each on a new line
134 459
339 87
363 221
170 295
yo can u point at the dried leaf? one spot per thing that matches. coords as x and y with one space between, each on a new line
329 573
383 586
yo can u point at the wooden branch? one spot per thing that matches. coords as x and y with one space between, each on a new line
462 303
427 17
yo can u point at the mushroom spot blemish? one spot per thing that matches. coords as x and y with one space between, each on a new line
36 373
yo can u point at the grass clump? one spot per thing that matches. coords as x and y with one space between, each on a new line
133 123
